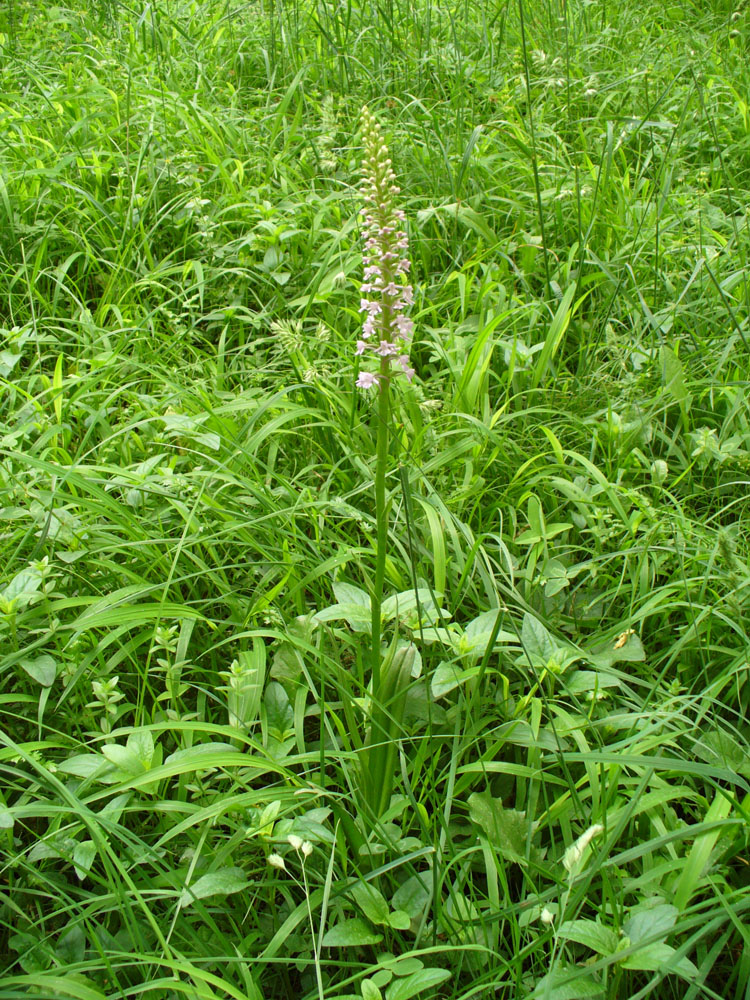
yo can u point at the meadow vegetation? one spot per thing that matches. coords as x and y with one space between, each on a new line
546 793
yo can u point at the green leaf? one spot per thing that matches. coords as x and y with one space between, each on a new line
673 377
352 933
371 901
659 957
141 743
723 749
399 920
370 990
22 589
357 616
538 645
567 983
414 895
630 651
83 857
219 883
505 828
279 711
6 819
602 940
410 986
347 593
43 669
447 677
650 922
124 758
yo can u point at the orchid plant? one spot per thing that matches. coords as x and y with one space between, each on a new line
386 336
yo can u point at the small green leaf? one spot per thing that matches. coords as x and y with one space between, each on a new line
399 920
674 377
370 990
6 819
43 669
352 933
219 883
83 857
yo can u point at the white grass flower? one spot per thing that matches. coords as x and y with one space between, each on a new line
276 861
574 854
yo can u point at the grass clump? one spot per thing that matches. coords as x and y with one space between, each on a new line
553 799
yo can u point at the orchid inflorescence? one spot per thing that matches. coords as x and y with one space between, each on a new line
386 331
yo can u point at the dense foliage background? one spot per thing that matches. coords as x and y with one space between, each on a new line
187 529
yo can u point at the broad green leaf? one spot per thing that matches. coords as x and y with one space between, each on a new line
371 901
504 828
85 765
6 819
413 895
43 669
21 590
417 982
447 677
403 604
357 616
125 758
590 682
628 648
717 746
141 742
650 922
538 645
71 946
567 983
600 939
352 933
347 593
659 957
219 883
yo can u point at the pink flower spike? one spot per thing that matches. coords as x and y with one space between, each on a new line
361 347
387 349
367 380
405 326
403 361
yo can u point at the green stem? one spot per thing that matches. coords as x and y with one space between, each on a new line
381 516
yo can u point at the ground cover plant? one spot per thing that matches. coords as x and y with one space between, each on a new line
310 694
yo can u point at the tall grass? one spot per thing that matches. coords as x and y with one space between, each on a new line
189 527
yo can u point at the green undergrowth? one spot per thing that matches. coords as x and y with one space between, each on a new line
188 516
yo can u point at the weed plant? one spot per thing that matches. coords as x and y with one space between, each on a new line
189 533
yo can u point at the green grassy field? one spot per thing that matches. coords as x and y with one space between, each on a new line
209 786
